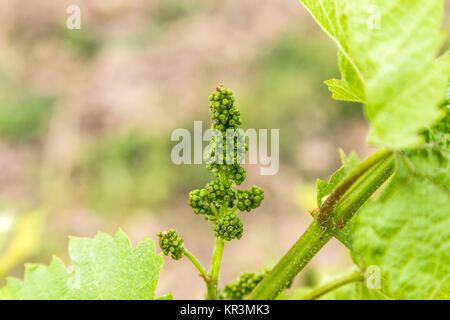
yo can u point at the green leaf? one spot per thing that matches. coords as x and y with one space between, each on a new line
165 297
388 60
405 233
102 268
342 91
325 188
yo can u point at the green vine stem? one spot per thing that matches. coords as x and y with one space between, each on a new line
331 201
213 277
321 291
197 264
347 198
212 284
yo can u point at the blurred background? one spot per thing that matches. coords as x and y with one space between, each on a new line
86 117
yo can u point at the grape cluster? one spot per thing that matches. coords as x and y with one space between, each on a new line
225 115
224 162
224 153
215 194
198 202
243 285
249 199
236 173
218 201
228 227
171 242
219 193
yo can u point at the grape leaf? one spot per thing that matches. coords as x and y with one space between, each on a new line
350 87
342 91
325 188
388 60
165 297
103 268
405 233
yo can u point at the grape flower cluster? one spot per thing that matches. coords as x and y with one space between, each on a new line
245 284
218 201
171 242
228 227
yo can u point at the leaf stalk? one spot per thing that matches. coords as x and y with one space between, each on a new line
333 285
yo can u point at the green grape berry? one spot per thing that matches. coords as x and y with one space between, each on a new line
245 284
228 227
171 242
249 199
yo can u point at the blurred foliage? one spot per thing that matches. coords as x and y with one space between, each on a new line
132 170
19 237
305 197
170 11
24 115
84 42
127 171
167 11
286 90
